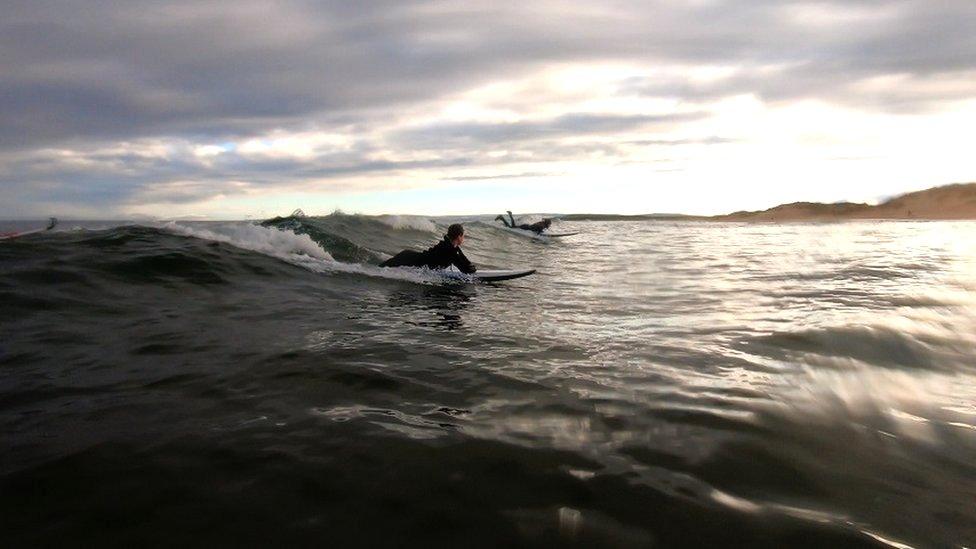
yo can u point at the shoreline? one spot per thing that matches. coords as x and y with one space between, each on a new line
955 202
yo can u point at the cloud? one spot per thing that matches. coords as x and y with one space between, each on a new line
504 176
96 69
93 75
839 84
447 135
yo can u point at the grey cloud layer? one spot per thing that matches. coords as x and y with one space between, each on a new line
77 72
103 69
447 136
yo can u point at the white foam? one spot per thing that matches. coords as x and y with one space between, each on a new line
265 240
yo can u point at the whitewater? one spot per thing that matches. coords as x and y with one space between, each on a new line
655 383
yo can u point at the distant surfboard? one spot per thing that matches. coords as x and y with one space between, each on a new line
51 224
533 234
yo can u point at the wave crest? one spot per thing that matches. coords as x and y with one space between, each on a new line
265 240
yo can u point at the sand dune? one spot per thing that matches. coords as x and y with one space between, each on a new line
947 202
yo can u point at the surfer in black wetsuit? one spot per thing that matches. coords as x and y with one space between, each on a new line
536 227
445 253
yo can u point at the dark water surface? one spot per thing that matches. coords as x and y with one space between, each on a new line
656 384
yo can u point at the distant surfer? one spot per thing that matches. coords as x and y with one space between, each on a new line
445 253
536 227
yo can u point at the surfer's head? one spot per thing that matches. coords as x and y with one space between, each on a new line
546 223
455 234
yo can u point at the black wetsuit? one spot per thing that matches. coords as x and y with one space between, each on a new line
441 256
536 227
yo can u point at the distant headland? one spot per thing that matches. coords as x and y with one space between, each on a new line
947 202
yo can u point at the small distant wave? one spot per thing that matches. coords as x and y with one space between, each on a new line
857 274
408 222
620 217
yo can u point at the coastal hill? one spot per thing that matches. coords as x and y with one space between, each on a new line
948 202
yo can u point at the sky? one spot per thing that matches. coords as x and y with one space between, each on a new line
228 110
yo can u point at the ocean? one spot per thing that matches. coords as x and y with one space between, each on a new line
655 384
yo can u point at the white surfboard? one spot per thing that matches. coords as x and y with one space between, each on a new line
486 275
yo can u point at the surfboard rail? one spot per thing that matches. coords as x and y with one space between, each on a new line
488 275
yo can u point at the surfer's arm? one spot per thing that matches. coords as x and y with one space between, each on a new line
463 264
510 216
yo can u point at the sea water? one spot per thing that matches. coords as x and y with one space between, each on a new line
656 383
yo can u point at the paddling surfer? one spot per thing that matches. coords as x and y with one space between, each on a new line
445 253
536 227
52 222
